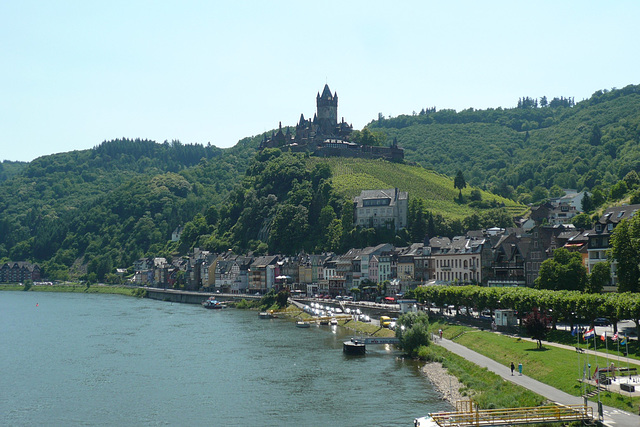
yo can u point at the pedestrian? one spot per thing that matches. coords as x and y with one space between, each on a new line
512 368
440 333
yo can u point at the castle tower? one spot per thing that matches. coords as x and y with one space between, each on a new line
327 106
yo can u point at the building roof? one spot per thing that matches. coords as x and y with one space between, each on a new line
615 214
326 92
393 194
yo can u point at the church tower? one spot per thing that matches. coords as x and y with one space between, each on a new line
327 106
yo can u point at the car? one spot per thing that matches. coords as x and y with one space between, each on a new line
601 321
339 297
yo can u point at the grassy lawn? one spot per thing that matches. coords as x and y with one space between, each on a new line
367 328
557 367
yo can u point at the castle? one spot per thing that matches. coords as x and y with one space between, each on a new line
324 136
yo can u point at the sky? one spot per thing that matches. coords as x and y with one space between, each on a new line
76 73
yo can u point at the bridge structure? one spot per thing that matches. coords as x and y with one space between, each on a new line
510 416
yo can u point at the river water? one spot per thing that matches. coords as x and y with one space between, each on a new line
87 359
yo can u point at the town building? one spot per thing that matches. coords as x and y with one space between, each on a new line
381 208
19 272
600 238
457 260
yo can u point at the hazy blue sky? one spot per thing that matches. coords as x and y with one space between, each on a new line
76 73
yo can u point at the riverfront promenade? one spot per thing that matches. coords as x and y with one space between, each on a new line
612 417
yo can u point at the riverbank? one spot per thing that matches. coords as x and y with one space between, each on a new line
78 288
447 385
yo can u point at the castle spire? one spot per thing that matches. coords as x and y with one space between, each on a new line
326 92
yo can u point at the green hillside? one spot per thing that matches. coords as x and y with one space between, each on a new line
84 213
592 144
91 211
350 176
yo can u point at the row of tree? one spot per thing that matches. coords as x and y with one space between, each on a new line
572 307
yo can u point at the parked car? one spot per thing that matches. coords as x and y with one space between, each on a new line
601 321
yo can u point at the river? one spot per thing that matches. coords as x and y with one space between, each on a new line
92 359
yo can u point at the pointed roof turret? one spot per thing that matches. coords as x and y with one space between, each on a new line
326 92
301 119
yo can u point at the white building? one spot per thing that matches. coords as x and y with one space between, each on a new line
381 208
458 260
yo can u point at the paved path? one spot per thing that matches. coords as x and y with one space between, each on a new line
612 416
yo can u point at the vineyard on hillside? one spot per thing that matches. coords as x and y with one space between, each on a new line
350 176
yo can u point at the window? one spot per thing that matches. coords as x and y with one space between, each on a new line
610 227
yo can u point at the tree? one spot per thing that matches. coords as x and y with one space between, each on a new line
543 102
632 179
600 277
459 182
283 298
582 221
288 229
596 135
624 251
413 331
539 194
476 195
536 325
564 271
587 203
618 190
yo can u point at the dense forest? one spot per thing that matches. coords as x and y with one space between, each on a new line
91 211
525 152
290 202
85 213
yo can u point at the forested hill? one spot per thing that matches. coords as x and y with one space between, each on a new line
540 143
114 203
9 169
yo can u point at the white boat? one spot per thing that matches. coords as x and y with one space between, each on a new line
301 324
334 321
425 422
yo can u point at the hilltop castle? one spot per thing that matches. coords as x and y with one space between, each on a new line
325 136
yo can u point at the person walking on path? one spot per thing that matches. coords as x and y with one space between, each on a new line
512 368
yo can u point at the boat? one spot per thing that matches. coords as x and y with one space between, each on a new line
354 347
265 315
425 422
301 324
324 321
334 321
212 303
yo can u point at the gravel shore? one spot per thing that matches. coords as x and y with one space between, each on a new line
448 385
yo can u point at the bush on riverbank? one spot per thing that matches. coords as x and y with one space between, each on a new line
413 331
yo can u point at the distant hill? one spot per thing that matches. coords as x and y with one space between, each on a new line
113 203
9 169
87 212
595 142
